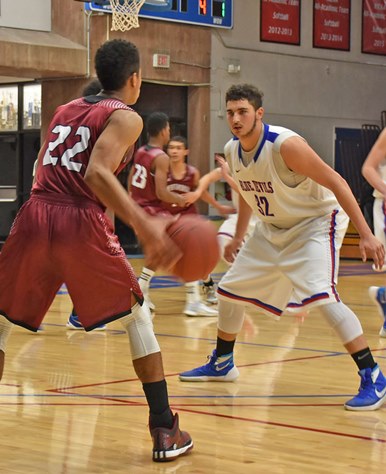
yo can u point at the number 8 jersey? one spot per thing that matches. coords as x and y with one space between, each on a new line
71 136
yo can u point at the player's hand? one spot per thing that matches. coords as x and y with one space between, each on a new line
191 197
370 246
159 249
223 165
232 249
226 210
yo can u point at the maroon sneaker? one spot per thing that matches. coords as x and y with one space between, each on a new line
168 444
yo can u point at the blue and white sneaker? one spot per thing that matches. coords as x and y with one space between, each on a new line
372 391
218 369
378 295
74 323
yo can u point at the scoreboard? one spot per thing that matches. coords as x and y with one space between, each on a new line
213 13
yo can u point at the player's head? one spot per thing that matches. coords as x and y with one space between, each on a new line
244 111
177 148
157 125
245 92
92 88
116 64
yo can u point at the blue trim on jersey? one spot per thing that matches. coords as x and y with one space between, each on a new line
270 136
254 301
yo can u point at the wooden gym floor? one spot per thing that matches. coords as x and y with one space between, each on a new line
70 402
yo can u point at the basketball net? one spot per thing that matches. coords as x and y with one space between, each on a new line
125 14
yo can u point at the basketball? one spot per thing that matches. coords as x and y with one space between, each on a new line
197 239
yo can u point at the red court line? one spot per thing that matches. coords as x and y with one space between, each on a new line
286 425
63 389
255 364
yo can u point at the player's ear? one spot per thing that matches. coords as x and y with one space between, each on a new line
260 112
134 79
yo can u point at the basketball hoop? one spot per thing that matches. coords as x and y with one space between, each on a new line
125 14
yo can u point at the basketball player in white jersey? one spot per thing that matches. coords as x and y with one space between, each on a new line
374 171
301 203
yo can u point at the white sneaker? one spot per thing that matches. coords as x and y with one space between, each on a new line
383 269
199 309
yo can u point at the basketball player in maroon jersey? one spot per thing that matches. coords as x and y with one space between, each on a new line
148 187
62 235
184 178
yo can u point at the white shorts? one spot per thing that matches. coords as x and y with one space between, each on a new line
379 219
275 264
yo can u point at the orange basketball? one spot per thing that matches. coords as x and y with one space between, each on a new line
197 239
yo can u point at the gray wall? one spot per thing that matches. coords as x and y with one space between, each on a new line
309 90
26 14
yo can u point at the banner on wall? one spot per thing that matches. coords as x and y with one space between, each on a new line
374 26
332 24
280 21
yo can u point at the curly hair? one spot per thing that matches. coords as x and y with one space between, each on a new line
115 61
245 91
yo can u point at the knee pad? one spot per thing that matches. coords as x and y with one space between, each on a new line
230 316
344 322
139 328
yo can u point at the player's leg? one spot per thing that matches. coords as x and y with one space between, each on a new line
315 280
144 283
209 290
372 390
194 306
169 441
378 294
220 366
115 289
249 281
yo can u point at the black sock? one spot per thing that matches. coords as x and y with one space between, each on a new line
364 359
157 398
224 347
208 282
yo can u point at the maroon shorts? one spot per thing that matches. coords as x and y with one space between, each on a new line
58 239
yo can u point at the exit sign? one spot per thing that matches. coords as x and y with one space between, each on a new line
161 60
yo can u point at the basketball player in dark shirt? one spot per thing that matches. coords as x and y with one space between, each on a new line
62 235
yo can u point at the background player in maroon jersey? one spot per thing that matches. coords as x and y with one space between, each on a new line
62 235
147 182
184 178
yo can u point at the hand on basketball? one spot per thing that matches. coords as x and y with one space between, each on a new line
159 249
372 247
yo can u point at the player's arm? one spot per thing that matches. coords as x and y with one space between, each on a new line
122 130
370 168
244 214
302 159
208 198
161 170
129 179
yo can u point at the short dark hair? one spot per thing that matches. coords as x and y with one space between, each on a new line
156 122
245 91
179 139
92 88
115 61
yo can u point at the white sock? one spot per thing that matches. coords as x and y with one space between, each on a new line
144 278
192 292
